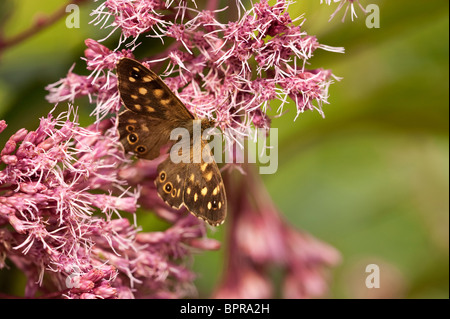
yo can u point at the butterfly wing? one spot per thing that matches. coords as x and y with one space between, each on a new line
142 135
198 186
206 199
144 93
153 110
170 182
204 192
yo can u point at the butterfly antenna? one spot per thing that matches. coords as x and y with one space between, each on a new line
195 112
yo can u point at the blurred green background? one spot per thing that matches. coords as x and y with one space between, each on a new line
371 179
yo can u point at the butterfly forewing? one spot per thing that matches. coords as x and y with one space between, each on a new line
143 92
170 182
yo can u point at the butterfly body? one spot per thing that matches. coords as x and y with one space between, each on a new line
152 112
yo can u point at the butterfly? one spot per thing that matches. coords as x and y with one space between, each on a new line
152 111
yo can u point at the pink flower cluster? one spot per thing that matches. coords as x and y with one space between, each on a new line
226 72
62 194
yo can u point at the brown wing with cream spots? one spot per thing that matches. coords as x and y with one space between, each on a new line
198 186
143 92
137 134
152 110
170 182
204 192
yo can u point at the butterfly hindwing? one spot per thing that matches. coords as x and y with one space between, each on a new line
170 182
137 134
206 199
204 192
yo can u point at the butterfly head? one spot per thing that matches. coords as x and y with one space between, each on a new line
207 123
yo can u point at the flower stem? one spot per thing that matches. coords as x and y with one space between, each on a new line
40 24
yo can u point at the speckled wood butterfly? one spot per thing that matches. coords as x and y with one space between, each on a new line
152 112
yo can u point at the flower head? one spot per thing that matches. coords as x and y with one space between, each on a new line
209 67
62 196
348 4
260 240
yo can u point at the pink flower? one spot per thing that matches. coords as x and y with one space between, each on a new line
61 202
133 18
306 87
308 260
99 57
349 4
101 89
209 64
261 241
